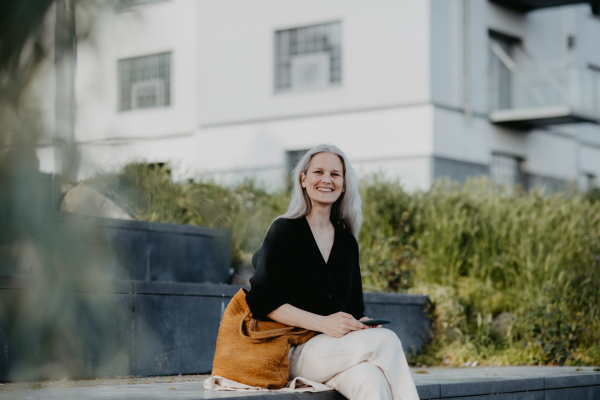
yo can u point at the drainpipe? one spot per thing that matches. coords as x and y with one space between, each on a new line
65 58
466 99
578 174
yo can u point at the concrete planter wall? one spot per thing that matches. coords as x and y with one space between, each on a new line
160 328
137 250
151 251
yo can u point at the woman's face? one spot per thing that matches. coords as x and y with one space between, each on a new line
324 179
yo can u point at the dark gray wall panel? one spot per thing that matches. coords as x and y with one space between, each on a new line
88 334
574 393
408 322
137 250
129 247
159 328
103 322
186 258
504 396
184 333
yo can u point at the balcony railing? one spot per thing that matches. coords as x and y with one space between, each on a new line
529 5
549 94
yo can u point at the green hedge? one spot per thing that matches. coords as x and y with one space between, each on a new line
514 276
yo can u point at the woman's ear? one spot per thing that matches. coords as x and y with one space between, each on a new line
303 179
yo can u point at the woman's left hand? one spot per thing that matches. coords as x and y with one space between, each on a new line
366 319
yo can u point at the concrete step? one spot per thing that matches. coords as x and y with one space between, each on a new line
502 383
134 250
158 328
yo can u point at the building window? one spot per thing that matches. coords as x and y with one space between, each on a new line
501 65
590 88
121 4
144 82
291 159
507 170
590 181
308 58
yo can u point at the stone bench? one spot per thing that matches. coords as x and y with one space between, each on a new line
481 383
169 328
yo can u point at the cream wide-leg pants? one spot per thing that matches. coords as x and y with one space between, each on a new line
366 364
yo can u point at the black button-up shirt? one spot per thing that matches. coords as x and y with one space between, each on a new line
289 268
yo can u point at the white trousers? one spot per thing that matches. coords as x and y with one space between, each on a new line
366 364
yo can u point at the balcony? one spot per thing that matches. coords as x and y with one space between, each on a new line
545 95
530 5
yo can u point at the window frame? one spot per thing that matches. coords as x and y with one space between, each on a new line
283 54
499 75
122 5
128 65
519 174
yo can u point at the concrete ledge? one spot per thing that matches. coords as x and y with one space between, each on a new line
534 383
168 328
136 250
510 383
155 251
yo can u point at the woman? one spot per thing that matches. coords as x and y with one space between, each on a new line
307 275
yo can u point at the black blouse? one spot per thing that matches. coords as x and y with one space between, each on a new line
289 268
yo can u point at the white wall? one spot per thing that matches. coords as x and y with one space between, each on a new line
139 31
460 138
374 140
385 53
398 59
225 116
447 30
587 32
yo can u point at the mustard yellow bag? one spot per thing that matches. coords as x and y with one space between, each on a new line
254 352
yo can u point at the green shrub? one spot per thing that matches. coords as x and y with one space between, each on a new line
513 276
387 241
480 251
148 194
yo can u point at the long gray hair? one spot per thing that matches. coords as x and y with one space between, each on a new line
346 211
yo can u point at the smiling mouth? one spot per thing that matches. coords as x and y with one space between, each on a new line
325 190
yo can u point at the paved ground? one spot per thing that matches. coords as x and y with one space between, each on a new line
190 386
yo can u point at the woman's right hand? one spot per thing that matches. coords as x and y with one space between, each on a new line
339 324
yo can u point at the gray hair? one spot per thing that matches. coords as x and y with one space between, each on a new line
346 211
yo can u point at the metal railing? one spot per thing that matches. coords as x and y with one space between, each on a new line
577 88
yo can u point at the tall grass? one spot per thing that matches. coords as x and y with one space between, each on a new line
514 276
507 269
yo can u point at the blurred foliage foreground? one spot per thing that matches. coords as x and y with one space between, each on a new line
513 276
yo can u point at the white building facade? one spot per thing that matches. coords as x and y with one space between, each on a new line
414 89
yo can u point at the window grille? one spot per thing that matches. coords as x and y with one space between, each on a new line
145 82
308 57
507 170
121 4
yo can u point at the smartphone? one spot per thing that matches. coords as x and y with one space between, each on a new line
375 322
